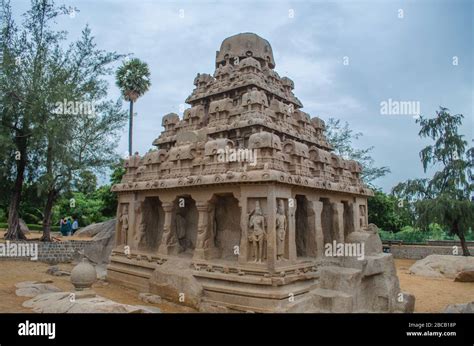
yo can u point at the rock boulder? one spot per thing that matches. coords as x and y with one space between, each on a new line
442 266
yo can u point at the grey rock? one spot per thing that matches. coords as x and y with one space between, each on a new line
34 288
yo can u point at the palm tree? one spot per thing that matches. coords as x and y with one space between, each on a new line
133 80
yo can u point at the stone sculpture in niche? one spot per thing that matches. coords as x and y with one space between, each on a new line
257 232
124 222
140 234
280 230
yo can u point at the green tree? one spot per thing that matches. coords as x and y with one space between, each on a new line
22 85
133 80
86 182
341 137
86 208
55 107
106 195
445 198
386 211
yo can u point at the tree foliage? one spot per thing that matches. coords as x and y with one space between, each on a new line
444 198
341 137
386 212
57 121
133 79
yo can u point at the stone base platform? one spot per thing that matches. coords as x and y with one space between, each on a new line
324 285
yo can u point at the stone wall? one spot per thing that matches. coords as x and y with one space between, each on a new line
52 252
417 252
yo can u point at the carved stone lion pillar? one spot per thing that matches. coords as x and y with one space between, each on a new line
205 247
169 243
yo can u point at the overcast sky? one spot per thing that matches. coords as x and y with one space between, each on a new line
345 57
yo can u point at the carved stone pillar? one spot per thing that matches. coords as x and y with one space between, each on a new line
169 243
352 223
243 250
118 240
338 221
205 247
363 216
318 227
356 215
292 232
139 225
271 227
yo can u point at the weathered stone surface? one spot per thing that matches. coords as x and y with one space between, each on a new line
55 271
327 300
149 298
370 239
95 228
406 304
66 302
370 265
33 288
460 308
442 266
83 275
174 281
465 276
346 280
99 250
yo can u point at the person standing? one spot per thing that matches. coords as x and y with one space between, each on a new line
63 227
69 226
75 225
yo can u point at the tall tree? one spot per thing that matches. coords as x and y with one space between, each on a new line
22 88
133 79
81 125
445 198
341 137
54 106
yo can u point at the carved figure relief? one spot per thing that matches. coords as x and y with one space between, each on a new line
281 228
257 233
123 218
140 232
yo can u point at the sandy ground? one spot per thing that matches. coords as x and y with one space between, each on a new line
34 235
432 294
13 272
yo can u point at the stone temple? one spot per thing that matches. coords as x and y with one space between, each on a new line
235 208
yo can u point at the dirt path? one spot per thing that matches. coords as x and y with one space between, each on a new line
35 235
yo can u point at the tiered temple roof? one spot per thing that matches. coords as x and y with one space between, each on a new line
244 105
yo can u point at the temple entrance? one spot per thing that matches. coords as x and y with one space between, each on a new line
152 222
305 228
348 218
326 220
226 225
185 222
